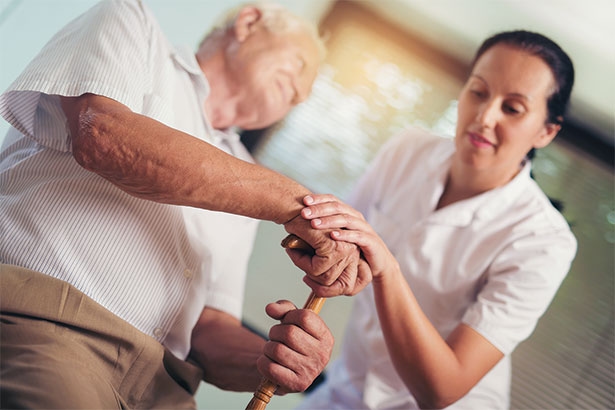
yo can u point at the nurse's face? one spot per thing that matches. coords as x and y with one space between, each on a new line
502 111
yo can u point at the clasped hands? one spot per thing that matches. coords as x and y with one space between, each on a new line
336 267
340 264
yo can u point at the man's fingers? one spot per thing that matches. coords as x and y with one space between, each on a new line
347 284
286 378
364 277
298 348
279 309
324 269
297 327
324 291
289 379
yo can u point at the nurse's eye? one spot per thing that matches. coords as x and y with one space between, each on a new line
512 109
478 93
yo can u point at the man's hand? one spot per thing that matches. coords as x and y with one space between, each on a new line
233 358
298 349
334 267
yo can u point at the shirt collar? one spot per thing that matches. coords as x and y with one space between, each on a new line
186 59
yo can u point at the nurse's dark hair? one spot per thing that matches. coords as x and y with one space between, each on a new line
546 49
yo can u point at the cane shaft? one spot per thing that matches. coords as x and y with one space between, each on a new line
262 395
314 303
266 389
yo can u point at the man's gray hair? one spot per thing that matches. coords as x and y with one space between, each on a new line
276 18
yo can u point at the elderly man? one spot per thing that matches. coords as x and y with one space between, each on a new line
127 206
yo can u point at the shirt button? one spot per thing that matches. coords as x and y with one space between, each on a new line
158 332
187 273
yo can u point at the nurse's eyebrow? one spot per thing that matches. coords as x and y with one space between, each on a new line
478 77
517 95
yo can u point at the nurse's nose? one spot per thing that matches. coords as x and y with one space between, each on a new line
489 113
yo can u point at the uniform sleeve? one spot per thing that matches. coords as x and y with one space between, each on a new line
520 286
104 51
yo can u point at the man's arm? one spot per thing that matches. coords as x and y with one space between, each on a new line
234 358
226 351
152 161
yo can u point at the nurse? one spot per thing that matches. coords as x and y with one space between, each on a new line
465 249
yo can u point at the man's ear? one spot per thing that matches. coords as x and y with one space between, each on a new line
245 23
550 131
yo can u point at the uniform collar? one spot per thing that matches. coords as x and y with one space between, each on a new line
500 198
484 206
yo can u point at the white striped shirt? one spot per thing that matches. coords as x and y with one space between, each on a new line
154 265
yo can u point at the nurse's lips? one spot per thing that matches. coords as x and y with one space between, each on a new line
478 141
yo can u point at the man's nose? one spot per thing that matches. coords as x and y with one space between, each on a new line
303 88
301 93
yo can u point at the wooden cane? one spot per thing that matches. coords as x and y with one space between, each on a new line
267 388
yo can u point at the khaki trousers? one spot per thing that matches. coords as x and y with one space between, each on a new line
61 350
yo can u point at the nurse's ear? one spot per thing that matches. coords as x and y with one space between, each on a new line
547 135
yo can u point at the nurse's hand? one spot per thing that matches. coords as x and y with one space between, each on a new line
332 267
346 224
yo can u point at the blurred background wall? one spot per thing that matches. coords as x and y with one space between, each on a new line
399 63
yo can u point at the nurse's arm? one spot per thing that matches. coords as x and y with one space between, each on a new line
438 372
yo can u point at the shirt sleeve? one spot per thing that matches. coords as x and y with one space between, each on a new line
226 289
105 51
520 285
